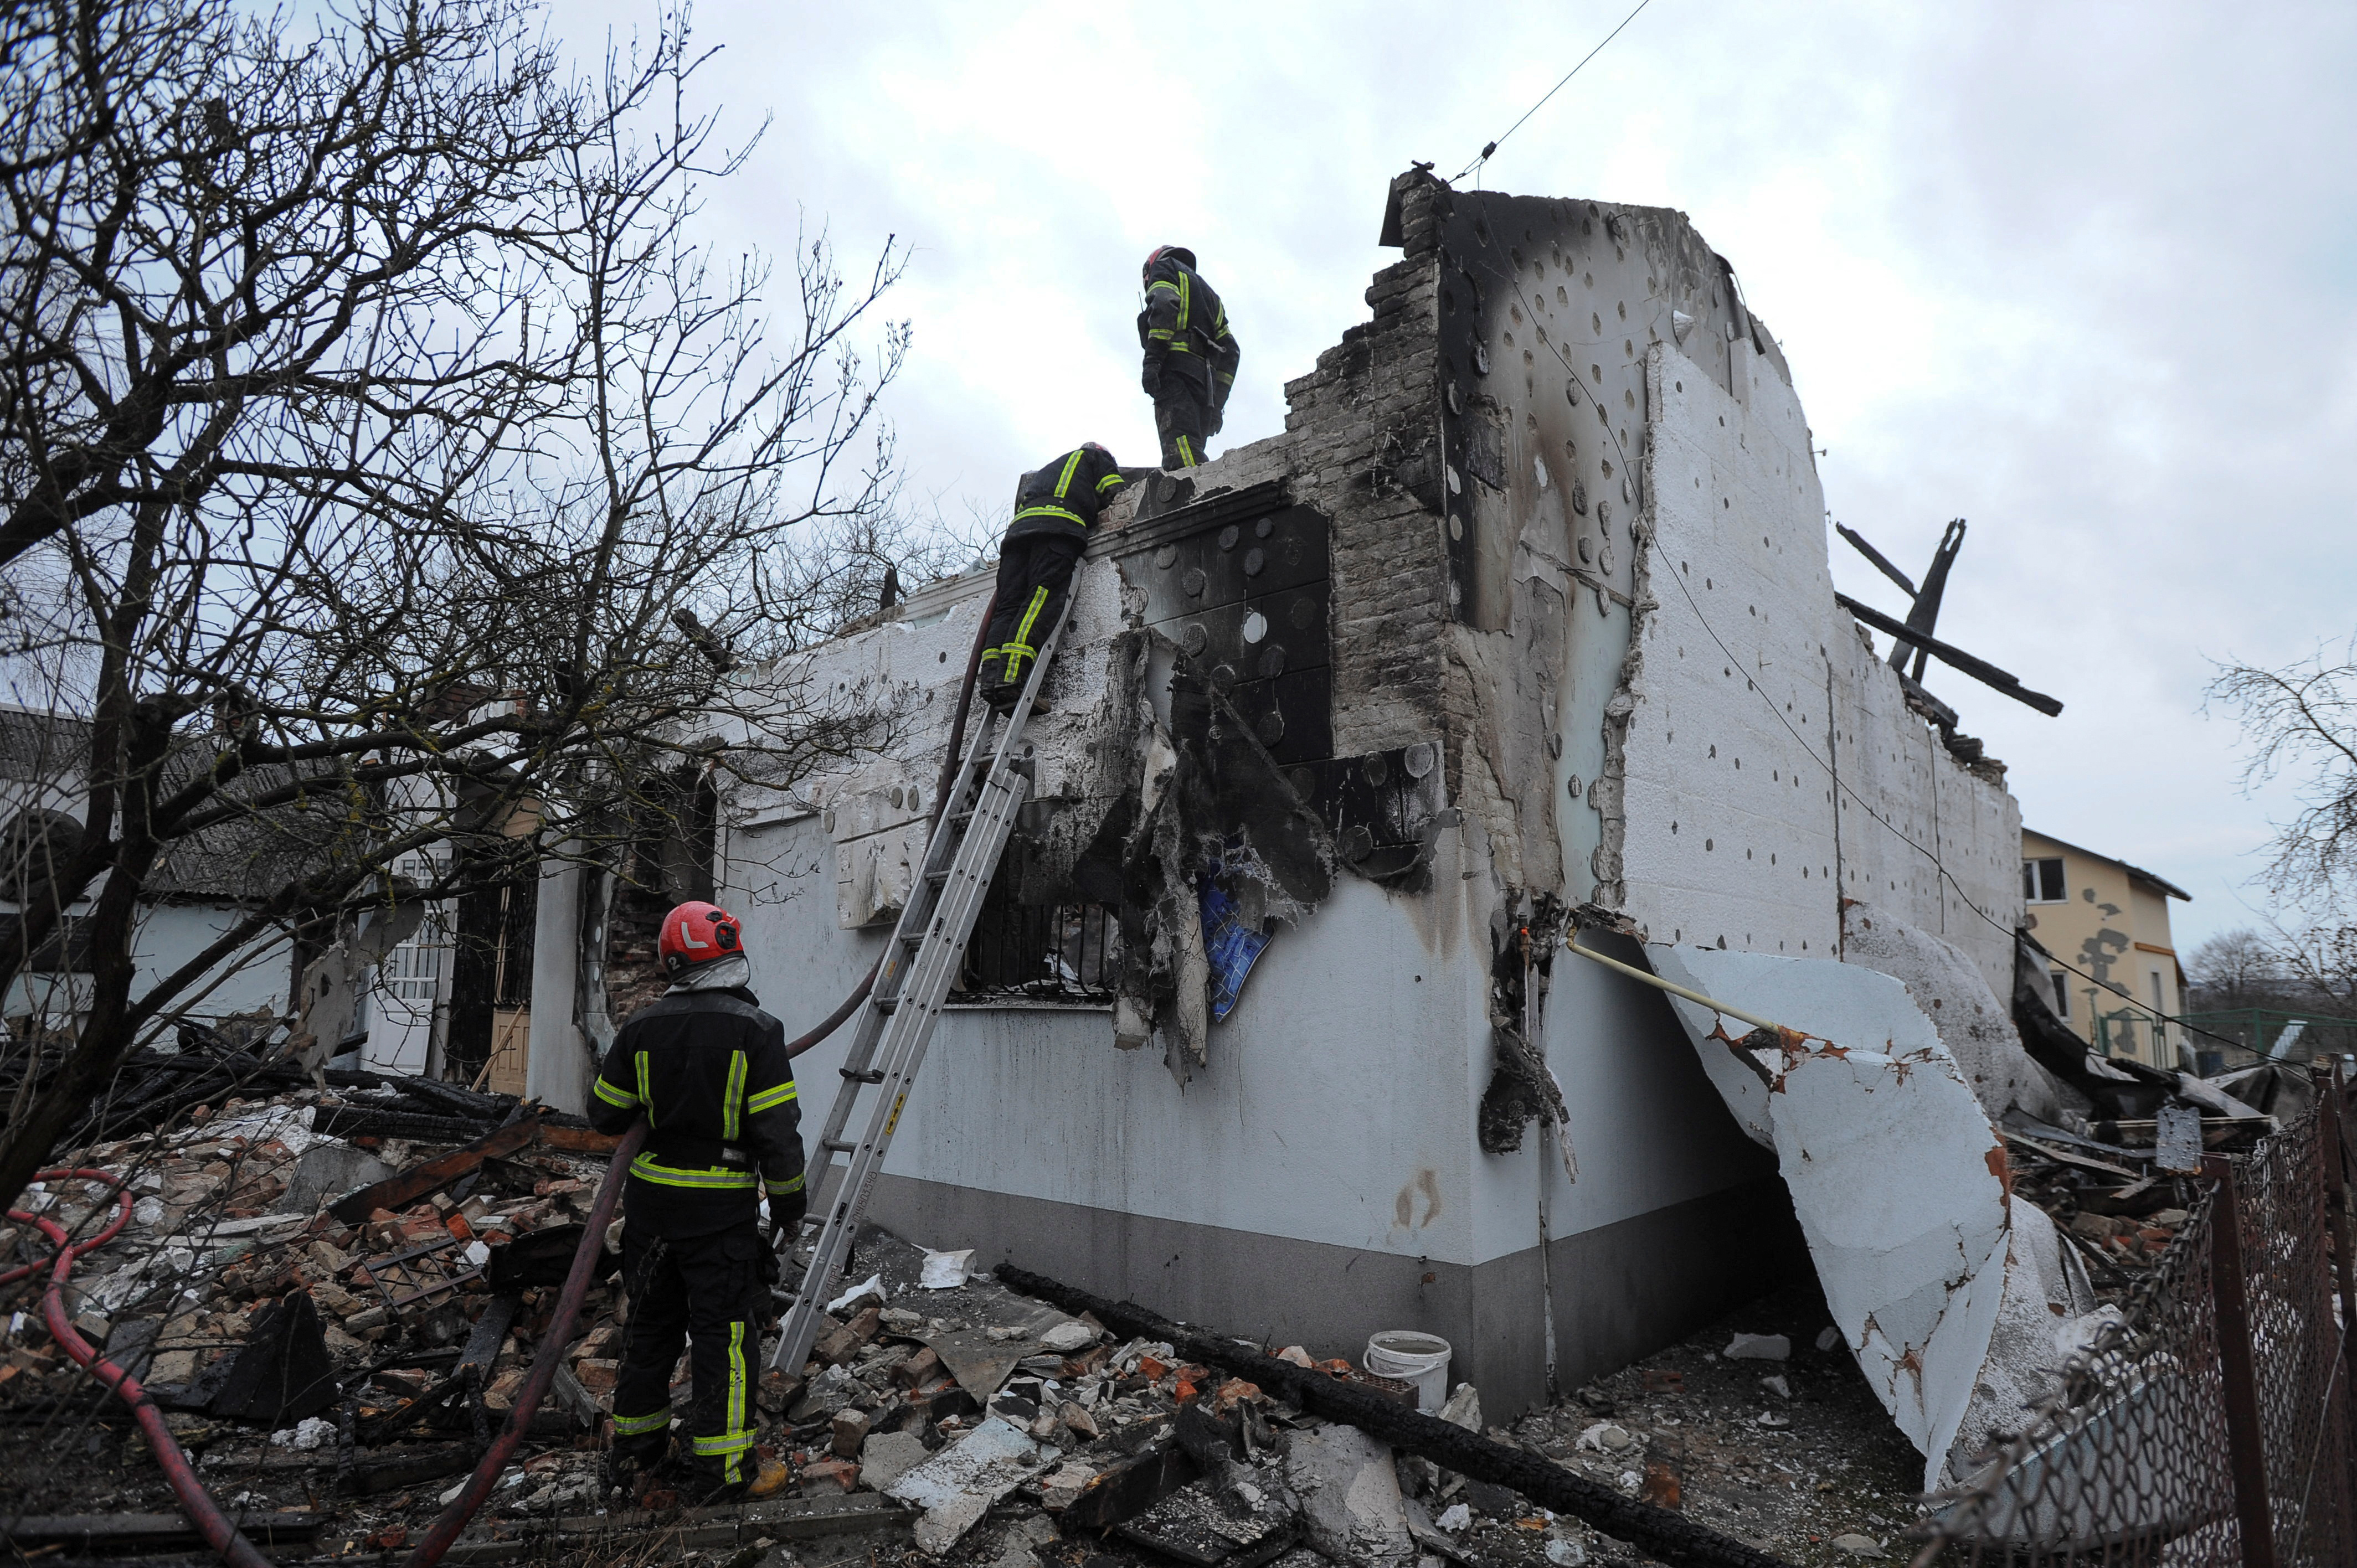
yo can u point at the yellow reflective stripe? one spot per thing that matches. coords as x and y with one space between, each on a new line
1162 283
1109 480
1157 332
1072 467
645 1167
1050 511
646 1090
1186 299
736 1413
732 1100
1030 619
1185 452
632 1425
612 1096
791 1184
727 1442
768 1098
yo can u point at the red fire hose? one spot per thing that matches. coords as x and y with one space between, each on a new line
195 1501
553 1345
834 1020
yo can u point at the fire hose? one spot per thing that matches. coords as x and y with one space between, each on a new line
195 1501
834 1020
215 1525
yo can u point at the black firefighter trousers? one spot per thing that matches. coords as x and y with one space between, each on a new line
1035 573
711 1291
1182 418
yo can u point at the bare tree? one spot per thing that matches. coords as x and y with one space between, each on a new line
2235 967
408 470
2301 719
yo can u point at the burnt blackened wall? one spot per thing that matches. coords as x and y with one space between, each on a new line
1544 311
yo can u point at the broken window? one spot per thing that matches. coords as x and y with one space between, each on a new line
2061 978
1050 953
2042 881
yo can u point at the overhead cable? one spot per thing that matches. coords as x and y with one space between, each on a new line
1551 92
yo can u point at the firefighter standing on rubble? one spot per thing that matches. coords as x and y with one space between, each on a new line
1191 355
709 1071
1055 506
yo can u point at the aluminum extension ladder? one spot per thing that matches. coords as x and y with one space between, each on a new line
897 1023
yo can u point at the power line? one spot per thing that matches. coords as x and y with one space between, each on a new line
1831 773
1551 92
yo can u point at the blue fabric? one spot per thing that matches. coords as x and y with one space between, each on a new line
1230 942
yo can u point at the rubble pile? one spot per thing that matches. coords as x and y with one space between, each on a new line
337 1325
305 1339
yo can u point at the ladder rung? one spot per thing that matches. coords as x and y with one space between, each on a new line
938 876
838 1147
873 1074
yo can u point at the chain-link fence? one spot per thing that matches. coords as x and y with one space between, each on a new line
2212 1423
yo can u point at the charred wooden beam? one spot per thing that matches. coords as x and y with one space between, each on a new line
368 1122
1672 1538
399 1192
1858 540
1980 670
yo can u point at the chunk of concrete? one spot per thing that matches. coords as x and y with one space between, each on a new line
1758 1348
887 1456
1350 1495
1067 1337
957 1485
329 1169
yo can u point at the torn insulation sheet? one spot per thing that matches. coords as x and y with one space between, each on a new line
1945 1290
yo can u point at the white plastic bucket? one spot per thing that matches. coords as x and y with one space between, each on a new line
1413 1358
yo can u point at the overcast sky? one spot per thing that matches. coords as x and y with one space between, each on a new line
2084 275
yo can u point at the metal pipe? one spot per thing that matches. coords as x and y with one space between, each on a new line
1633 972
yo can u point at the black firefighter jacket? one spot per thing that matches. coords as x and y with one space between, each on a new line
1184 331
709 1070
1065 496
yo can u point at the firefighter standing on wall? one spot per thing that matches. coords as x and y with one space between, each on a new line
1055 505
1191 355
708 1069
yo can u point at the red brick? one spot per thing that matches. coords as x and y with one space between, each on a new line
825 1476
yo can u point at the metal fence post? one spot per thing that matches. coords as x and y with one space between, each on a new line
2246 1438
2325 1077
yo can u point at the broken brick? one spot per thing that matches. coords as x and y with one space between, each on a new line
822 1477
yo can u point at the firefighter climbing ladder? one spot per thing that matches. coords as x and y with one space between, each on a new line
897 1023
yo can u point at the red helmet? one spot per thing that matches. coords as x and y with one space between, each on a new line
697 933
1185 257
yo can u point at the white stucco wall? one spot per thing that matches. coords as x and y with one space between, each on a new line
1339 1097
167 936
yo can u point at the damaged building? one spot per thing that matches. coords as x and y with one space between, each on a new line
1523 623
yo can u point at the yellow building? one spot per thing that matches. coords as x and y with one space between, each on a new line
2109 921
